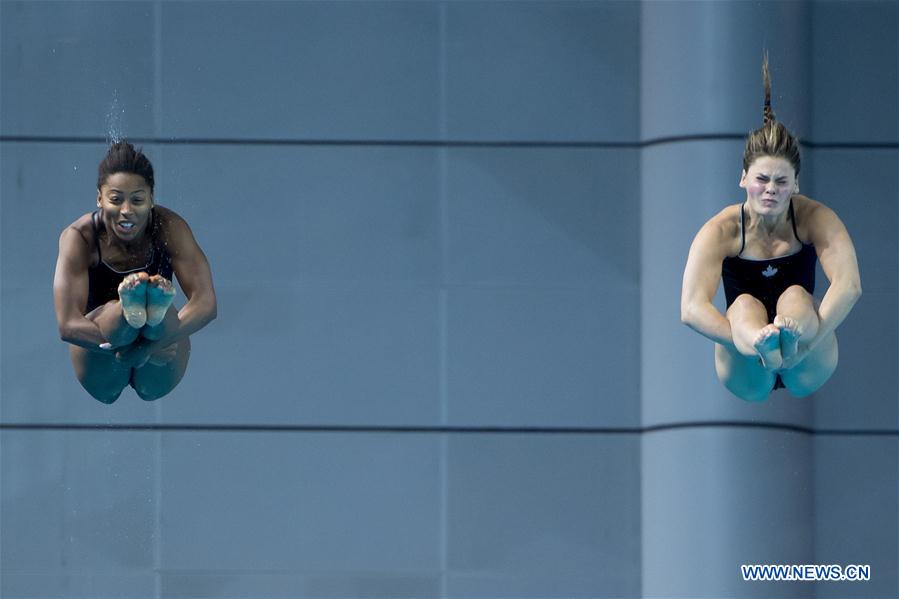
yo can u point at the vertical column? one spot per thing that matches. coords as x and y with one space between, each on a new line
714 496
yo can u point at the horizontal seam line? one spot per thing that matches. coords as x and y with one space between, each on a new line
446 429
434 143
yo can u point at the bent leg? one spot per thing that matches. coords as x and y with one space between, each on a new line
752 334
111 321
100 374
797 317
153 381
740 369
809 375
797 312
169 324
743 375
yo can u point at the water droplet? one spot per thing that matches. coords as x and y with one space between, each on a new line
113 120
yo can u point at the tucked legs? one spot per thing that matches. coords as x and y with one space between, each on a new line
797 316
143 314
765 350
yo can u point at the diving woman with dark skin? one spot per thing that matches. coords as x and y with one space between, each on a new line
774 334
113 290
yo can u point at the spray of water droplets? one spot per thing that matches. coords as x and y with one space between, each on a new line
114 118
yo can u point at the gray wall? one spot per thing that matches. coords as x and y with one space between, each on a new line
479 221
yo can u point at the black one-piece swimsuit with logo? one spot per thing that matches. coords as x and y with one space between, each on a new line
766 280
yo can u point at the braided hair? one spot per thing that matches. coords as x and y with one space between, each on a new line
772 138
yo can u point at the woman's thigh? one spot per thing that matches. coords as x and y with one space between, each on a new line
743 375
810 374
152 381
100 374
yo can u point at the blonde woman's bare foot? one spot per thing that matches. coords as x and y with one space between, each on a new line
133 297
789 336
160 293
767 344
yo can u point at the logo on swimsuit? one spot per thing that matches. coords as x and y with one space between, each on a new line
770 271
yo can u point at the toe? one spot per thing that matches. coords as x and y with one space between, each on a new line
791 326
130 282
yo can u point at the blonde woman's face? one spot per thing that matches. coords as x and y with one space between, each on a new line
769 183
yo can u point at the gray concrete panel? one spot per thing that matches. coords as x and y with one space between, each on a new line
313 504
77 68
861 186
700 69
313 70
543 216
856 71
293 584
542 71
718 498
573 532
329 215
857 512
863 391
534 356
343 355
79 513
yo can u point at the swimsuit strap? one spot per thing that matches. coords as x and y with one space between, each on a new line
793 221
96 234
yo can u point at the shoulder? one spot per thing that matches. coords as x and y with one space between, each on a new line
175 232
82 228
721 233
168 217
171 224
813 219
806 207
82 224
77 241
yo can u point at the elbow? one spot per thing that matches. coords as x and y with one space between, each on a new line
853 289
212 311
686 315
202 310
65 333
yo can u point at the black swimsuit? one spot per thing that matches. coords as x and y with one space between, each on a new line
766 280
105 280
